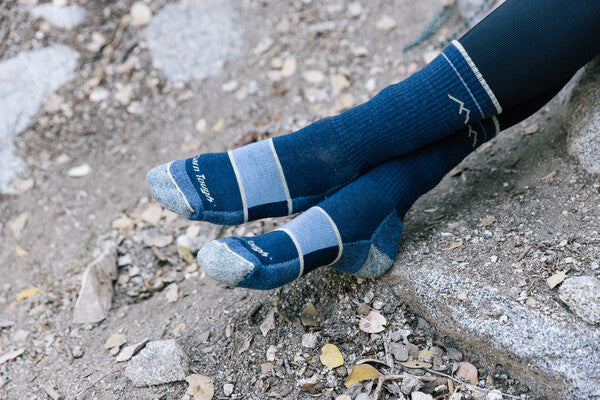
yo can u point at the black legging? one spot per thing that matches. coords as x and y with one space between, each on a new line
528 48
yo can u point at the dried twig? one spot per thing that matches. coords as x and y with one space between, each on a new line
82 391
385 378
467 385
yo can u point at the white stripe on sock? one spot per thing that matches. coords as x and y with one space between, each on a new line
298 249
178 189
337 235
475 70
283 181
240 186
496 124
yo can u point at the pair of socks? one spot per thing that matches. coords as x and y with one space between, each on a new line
356 174
293 172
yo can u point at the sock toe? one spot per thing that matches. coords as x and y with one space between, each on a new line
223 264
166 191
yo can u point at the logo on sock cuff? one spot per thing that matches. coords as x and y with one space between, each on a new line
201 180
462 108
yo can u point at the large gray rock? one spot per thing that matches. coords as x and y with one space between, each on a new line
159 362
582 295
25 81
95 295
583 118
192 39
552 353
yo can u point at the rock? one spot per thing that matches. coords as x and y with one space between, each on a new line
228 389
96 291
555 349
124 95
99 94
582 295
98 41
23 185
80 171
355 9
212 36
159 241
309 340
410 384
11 355
51 391
420 396
399 351
77 352
60 17
27 79
152 214
171 293
129 351
313 76
271 351
159 362
140 14
494 395
17 224
288 67
583 119
386 23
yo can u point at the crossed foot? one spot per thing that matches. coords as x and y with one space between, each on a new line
353 177
355 228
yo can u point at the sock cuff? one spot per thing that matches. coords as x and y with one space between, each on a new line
478 75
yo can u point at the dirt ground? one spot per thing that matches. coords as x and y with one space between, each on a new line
68 217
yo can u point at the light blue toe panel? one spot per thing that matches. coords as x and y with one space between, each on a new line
167 192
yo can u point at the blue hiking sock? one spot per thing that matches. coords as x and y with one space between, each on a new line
293 172
356 230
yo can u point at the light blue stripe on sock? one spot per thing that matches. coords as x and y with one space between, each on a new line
260 175
313 231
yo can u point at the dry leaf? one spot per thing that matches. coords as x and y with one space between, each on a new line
487 221
310 316
18 224
201 387
372 323
467 371
122 223
269 322
116 339
246 345
556 279
416 364
186 254
20 251
361 373
531 129
217 127
331 356
454 245
175 332
425 354
27 293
